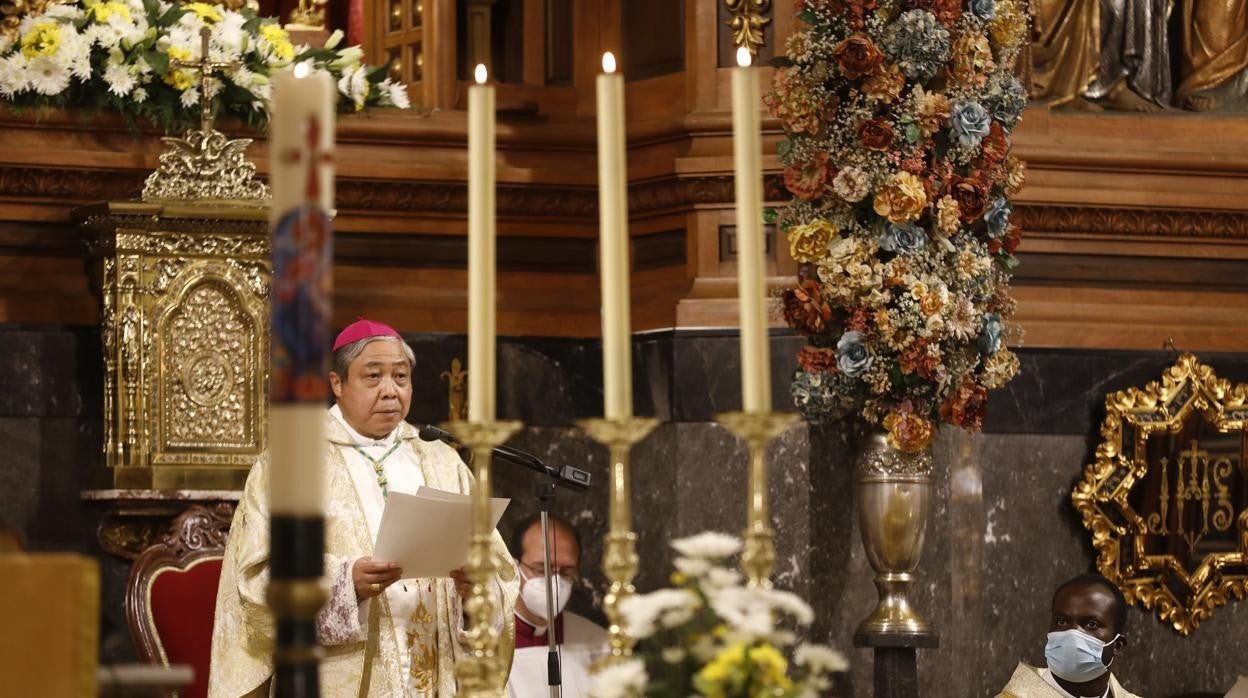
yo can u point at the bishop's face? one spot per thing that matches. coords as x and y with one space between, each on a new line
377 392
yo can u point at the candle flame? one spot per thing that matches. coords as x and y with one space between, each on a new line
744 59
608 62
479 74
302 70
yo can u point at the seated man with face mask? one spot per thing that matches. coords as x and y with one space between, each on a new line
1086 634
580 642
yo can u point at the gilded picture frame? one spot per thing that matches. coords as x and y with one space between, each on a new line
1166 499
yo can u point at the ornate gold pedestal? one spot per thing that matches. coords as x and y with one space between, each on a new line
184 291
482 673
620 560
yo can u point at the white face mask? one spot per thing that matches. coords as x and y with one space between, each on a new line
533 591
1074 655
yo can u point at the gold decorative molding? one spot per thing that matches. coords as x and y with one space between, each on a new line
185 307
309 14
12 12
749 17
204 164
456 392
1149 222
1165 499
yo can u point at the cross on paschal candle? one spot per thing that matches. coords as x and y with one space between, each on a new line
206 67
316 158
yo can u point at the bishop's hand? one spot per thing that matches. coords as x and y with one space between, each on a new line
371 577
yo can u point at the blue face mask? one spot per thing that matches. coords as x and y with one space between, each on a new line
1074 655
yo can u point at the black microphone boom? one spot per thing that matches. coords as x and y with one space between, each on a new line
568 476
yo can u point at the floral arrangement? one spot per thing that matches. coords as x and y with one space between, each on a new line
710 636
120 54
898 115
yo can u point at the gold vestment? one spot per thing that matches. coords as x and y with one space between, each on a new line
243 632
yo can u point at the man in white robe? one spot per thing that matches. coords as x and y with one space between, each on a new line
383 635
580 641
1087 623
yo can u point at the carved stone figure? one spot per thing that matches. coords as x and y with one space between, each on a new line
1214 68
1106 54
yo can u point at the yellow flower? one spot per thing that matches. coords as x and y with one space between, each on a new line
1016 174
104 10
209 14
999 368
809 242
971 57
908 432
1010 25
771 667
176 78
44 39
279 40
947 215
902 199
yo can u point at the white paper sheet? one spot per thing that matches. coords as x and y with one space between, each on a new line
1240 689
428 533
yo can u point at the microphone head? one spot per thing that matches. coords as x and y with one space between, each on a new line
432 433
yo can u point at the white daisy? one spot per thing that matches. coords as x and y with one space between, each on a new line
13 75
395 93
820 659
625 679
47 75
139 95
190 97
119 78
710 544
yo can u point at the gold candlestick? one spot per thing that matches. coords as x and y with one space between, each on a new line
757 429
620 561
482 673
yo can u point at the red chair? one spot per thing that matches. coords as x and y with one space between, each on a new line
172 593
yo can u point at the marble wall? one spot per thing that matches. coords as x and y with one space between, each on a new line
1002 536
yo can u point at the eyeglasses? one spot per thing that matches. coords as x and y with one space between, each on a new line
539 570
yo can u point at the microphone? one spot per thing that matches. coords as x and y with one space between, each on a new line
572 478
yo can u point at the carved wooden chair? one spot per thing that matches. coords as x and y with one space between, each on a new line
172 593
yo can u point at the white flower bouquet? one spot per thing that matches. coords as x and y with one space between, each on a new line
124 55
711 636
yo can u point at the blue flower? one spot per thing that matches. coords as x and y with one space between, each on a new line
917 44
852 356
969 123
902 238
997 217
1004 98
983 9
990 336
815 396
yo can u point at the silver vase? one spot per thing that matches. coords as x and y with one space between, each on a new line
894 491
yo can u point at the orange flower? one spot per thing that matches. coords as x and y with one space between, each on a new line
817 360
885 84
971 195
876 134
857 56
995 145
809 180
947 12
908 432
966 406
804 309
902 199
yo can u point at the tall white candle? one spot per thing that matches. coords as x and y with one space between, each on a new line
482 365
747 154
617 370
301 176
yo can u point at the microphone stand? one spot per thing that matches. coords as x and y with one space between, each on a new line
544 490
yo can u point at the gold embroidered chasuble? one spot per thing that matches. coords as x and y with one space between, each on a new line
1028 683
366 648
